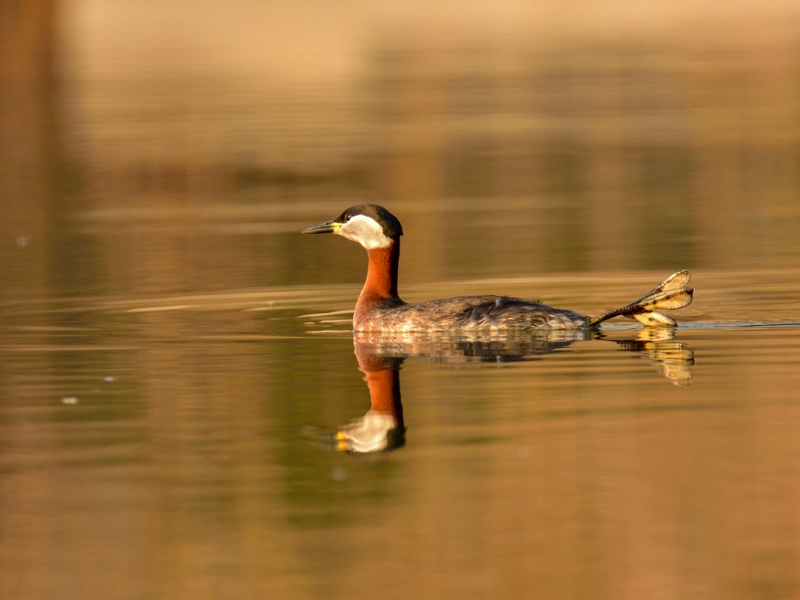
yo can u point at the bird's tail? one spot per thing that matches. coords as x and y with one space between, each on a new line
671 294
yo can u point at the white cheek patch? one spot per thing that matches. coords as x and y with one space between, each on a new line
366 231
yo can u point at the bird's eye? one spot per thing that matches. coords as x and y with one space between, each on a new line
347 218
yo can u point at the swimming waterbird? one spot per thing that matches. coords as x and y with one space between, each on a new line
379 307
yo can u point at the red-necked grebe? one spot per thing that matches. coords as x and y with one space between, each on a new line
379 308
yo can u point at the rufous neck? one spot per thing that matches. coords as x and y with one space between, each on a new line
382 273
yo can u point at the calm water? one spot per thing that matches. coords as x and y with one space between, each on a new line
178 380
179 446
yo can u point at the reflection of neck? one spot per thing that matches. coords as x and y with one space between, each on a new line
381 281
383 381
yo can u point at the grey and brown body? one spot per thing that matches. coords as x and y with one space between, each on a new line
465 313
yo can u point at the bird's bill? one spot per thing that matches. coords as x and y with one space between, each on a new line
326 227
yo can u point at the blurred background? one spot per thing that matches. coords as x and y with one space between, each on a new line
512 139
158 159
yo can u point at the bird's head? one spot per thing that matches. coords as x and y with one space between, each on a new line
370 225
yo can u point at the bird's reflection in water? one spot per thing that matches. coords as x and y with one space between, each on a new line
658 346
380 356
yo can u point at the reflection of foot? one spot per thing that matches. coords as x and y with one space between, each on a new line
673 359
373 432
656 335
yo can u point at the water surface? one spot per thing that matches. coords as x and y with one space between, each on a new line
172 446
